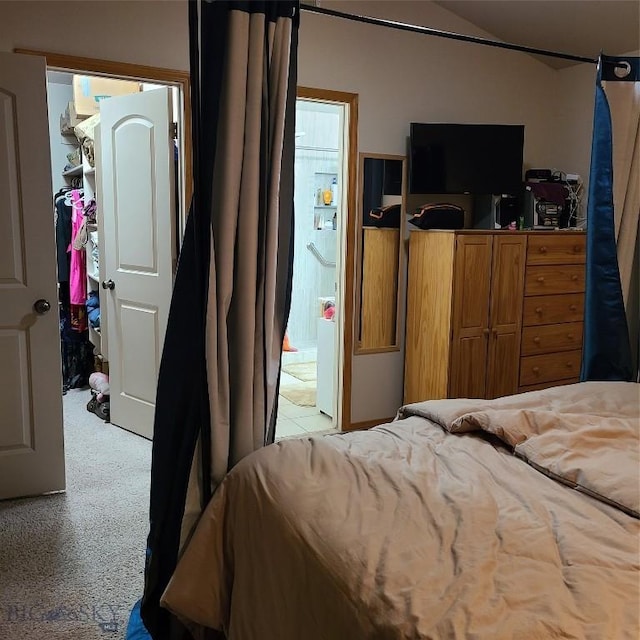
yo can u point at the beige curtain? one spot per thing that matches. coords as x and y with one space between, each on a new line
624 103
219 376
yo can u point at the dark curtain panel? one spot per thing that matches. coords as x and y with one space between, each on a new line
220 370
607 351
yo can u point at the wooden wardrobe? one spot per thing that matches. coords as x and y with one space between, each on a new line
492 313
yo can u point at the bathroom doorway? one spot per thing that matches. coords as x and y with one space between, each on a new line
311 359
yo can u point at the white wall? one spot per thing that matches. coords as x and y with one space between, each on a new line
58 97
400 77
149 33
316 159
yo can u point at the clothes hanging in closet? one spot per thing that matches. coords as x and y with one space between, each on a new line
78 265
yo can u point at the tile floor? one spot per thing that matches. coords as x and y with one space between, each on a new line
299 421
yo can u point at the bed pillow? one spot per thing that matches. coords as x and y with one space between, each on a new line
597 455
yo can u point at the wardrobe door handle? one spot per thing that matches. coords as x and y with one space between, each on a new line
485 332
494 332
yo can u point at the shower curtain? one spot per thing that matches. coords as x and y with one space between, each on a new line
612 300
220 370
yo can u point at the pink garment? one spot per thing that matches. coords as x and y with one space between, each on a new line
78 267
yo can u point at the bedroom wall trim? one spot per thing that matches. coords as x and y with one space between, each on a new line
141 72
348 283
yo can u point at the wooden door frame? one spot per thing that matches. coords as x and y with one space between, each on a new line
348 288
143 73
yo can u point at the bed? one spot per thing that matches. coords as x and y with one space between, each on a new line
507 518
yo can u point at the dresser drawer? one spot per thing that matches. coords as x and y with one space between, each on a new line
548 248
550 338
552 309
550 367
546 279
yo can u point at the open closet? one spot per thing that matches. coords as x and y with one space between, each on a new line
116 176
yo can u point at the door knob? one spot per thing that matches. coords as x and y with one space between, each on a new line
41 306
108 284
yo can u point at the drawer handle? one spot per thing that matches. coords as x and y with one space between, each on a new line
572 307
540 278
537 339
538 310
543 249
536 370
577 248
569 365
574 277
570 336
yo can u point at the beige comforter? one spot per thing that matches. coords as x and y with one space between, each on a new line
428 528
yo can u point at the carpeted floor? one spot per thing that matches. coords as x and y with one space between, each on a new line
71 564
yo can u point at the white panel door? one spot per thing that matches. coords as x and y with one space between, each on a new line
138 205
31 438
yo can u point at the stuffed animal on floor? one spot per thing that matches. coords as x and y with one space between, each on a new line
99 382
99 403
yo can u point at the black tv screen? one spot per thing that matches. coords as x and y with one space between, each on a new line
466 158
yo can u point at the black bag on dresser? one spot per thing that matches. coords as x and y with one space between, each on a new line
384 217
441 215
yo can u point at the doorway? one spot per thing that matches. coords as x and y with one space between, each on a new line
117 171
310 398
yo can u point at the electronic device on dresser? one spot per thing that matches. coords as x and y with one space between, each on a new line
499 211
547 199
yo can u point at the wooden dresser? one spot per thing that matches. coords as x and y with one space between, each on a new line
492 313
551 347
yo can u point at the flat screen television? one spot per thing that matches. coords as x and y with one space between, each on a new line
465 158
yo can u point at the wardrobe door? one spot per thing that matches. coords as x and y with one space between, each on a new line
472 281
137 187
505 318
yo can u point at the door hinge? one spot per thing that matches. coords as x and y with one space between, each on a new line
173 130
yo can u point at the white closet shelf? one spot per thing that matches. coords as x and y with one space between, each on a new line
76 171
90 171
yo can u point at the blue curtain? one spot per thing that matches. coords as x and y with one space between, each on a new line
606 348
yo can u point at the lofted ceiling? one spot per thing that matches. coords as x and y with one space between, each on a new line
578 27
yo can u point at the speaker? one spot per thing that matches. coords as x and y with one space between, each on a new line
496 211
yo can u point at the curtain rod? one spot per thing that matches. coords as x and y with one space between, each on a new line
403 26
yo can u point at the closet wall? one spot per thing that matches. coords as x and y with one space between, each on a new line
59 94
